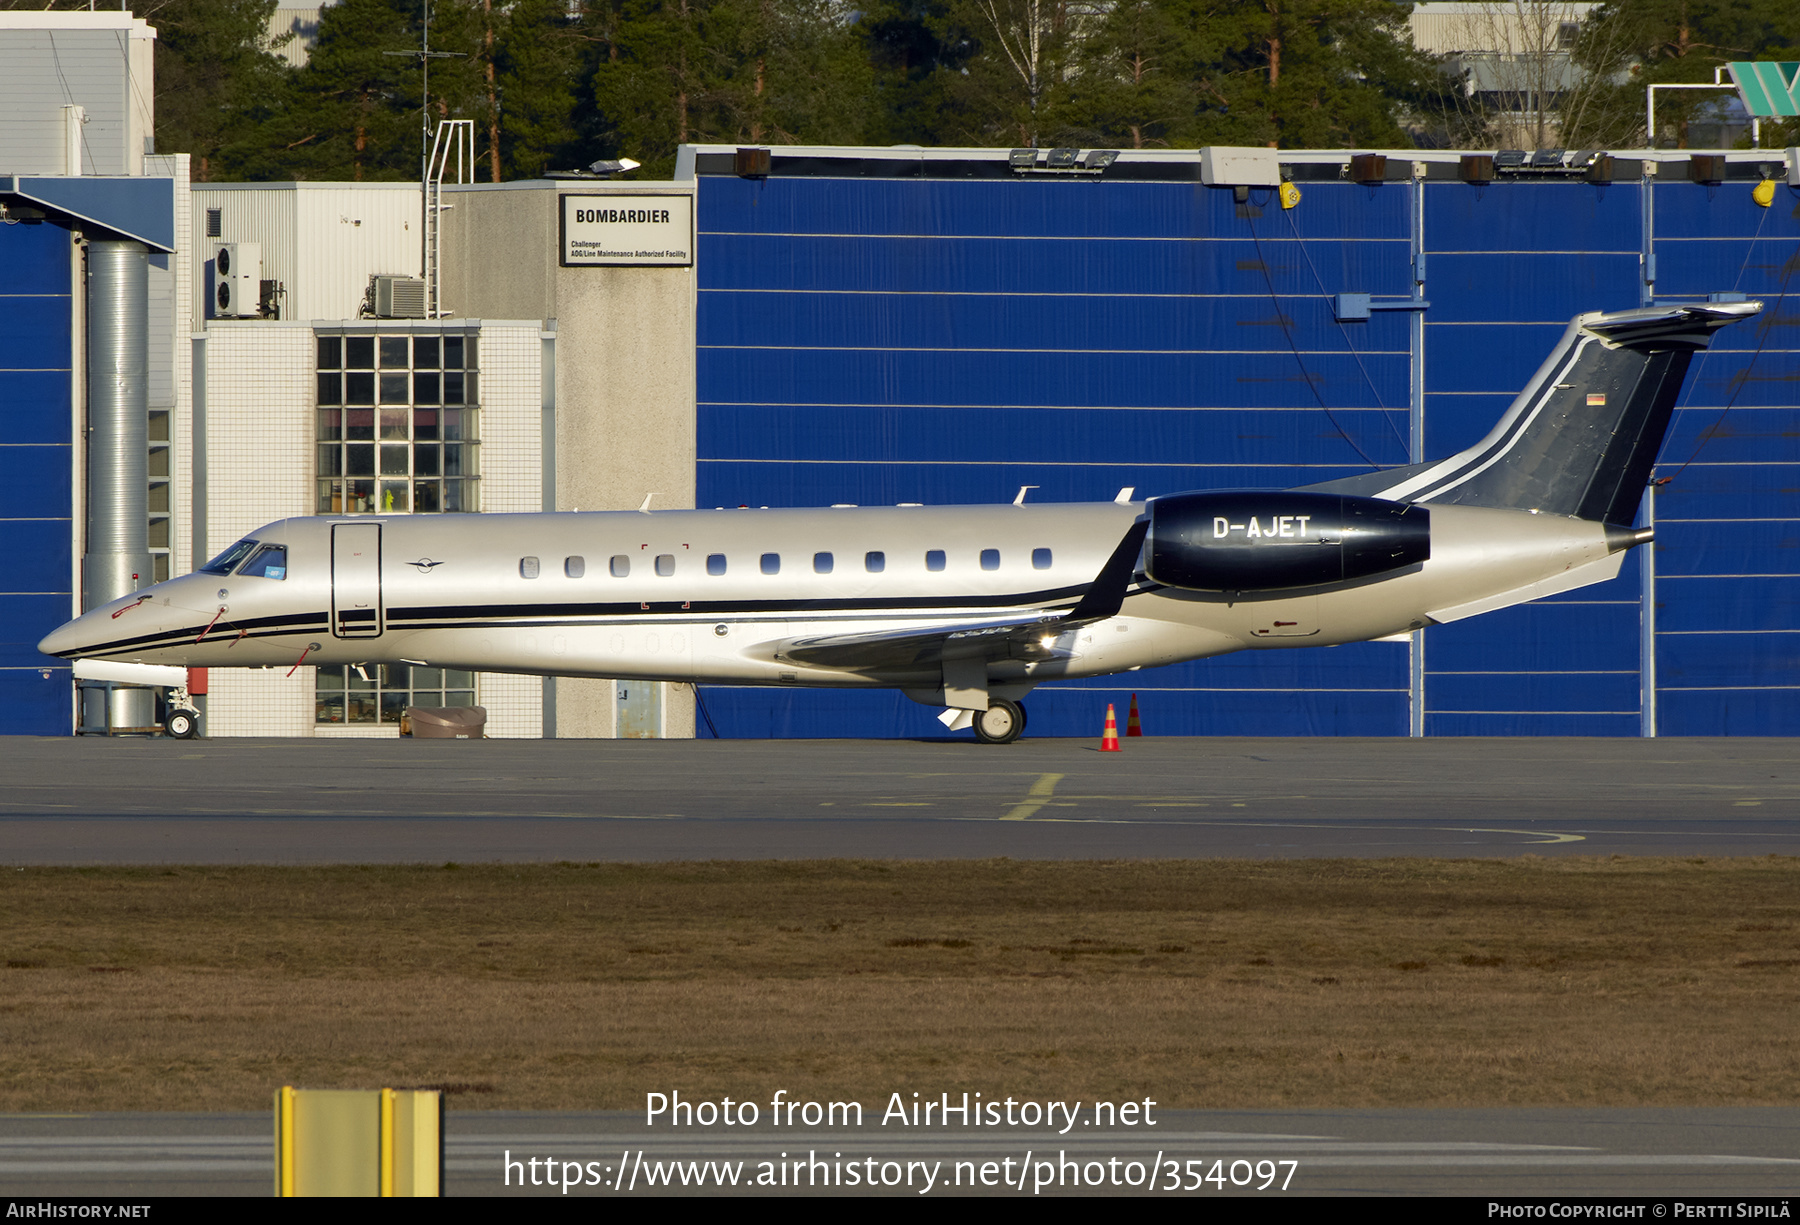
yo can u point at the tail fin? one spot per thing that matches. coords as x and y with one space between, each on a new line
1582 437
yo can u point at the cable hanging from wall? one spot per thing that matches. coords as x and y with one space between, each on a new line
1762 339
1305 374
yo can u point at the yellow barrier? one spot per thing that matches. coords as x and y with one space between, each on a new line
357 1142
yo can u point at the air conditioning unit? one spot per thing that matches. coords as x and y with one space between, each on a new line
237 280
398 297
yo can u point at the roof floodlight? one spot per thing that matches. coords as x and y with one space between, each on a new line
1547 157
1022 159
1511 157
1062 159
1100 159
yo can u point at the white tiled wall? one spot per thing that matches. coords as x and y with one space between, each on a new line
512 476
512 417
515 705
258 437
259 427
259 440
259 702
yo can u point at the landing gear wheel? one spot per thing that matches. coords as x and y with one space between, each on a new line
181 724
1000 723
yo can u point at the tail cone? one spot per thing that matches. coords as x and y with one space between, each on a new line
1109 741
1132 726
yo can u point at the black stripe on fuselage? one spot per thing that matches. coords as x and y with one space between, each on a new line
255 627
444 613
500 616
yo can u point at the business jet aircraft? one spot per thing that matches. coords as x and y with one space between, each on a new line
964 607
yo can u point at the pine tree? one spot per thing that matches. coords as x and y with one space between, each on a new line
1631 44
915 49
1139 77
214 79
540 59
1318 74
353 111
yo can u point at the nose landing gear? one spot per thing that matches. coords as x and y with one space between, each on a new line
1000 723
181 722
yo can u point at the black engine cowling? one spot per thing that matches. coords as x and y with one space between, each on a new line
1271 541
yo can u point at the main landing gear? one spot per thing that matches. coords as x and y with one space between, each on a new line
1000 723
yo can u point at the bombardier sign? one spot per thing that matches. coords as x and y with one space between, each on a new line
616 229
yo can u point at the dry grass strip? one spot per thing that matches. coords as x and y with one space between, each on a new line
1197 983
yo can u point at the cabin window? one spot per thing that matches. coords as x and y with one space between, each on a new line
621 565
874 563
990 559
528 567
270 562
397 429
574 567
1040 559
821 563
771 563
715 563
665 564
934 559
223 563
380 693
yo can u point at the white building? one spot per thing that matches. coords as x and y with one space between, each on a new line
329 398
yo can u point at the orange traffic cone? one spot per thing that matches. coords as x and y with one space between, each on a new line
1109 742
1132 726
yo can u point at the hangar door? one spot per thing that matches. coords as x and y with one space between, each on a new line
356 580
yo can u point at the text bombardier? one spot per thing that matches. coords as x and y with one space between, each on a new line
621 216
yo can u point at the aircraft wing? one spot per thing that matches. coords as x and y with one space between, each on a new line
1033 635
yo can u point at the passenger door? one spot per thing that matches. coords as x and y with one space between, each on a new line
356 580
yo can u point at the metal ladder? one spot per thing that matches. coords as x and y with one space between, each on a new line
455 139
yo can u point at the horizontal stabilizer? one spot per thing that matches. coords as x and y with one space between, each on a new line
1581 576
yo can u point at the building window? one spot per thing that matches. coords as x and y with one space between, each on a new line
397 424
159 471
380 693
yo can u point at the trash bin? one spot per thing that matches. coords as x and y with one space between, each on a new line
445 722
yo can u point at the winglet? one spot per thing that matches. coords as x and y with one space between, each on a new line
1107 594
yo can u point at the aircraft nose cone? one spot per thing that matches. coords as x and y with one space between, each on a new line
65 641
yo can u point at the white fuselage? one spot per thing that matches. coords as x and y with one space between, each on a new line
541 593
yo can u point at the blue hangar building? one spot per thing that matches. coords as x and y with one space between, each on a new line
892 326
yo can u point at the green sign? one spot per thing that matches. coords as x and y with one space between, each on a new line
1769 90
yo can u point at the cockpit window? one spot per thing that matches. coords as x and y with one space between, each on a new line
270 562
224 562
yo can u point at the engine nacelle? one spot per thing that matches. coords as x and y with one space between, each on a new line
1271 541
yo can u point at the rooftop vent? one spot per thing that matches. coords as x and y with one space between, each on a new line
397 297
